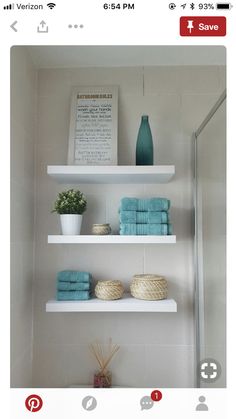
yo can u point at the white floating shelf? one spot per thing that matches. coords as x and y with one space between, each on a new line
111 174
125 304
111 239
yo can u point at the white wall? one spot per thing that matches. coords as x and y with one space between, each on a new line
157 350
23 115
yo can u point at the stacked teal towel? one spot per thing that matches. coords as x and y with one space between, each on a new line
151 204
73 276
73 295
73 285
146 229
145 216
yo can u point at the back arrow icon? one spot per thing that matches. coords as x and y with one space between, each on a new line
13 26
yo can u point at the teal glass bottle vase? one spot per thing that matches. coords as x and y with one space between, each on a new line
144 145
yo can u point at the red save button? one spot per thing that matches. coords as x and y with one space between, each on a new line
203 26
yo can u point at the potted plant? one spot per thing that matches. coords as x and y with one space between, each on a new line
70 205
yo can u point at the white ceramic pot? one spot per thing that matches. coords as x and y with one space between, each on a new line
71 224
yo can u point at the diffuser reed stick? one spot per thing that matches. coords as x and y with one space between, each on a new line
103 354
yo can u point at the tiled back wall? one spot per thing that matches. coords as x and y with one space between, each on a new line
157 350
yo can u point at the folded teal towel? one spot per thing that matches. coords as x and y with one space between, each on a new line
73 286
73 276
145 229
151 204
144 217
72 295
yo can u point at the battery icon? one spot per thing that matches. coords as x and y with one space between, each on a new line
223 6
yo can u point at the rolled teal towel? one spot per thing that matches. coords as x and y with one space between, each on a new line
144 217
146 229
73 286
151 204
73 276
72 295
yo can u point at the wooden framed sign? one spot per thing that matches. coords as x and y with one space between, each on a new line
93 126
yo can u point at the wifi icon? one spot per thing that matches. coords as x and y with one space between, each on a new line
51 5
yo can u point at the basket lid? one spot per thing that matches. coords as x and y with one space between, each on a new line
110 283
148 277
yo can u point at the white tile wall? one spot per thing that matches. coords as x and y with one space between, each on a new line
182 80
23 116
169 366
134 365
128 79
21 371
176 99
156 349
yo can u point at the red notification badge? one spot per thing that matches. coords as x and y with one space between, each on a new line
156 395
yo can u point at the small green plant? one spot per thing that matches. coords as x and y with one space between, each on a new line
70 202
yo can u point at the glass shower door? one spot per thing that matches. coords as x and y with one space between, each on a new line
210 246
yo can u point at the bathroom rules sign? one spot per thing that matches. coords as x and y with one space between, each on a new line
93 126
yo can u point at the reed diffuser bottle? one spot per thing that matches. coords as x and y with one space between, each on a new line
103 355
144 145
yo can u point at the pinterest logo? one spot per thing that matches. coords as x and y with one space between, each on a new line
33 403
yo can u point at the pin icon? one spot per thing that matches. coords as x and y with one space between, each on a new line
190 25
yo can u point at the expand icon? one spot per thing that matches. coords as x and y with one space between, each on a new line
209 370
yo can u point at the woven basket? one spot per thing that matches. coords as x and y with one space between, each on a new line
149 287
101 229
109 290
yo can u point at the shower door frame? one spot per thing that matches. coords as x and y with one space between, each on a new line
198 269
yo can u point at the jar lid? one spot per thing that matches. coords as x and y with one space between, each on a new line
101 225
